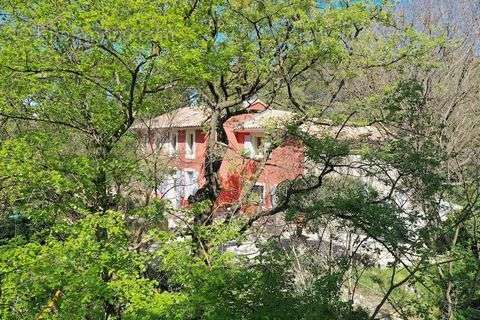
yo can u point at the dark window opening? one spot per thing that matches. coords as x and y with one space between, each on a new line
258 191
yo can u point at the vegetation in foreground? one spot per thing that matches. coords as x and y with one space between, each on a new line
81 236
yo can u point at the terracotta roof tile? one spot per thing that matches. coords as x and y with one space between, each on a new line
189 117
265 118
186 117
345 132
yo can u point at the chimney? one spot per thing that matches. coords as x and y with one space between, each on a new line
255 105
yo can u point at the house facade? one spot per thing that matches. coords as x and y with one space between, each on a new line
180 137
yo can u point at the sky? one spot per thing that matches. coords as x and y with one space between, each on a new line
462 17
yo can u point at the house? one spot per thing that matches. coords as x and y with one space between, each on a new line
180 136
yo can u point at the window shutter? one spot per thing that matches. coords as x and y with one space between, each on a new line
190 179
167 189
249 145
190 144
195 182
179 184
274 196
173 143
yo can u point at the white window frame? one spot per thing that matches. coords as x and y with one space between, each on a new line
168 189
273 196
173 137
190 151
190 187
250 144
259 150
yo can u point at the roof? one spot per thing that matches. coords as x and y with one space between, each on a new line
186 117
344 132
191 117
269 117
265 118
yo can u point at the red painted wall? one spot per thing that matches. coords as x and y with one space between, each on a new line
182 162
286 162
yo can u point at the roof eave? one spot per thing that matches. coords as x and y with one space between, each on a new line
249 129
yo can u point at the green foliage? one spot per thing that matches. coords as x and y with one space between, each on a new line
33 170
402 100
72 260
325 149
417 162
407 298
230 287
354 202
74 77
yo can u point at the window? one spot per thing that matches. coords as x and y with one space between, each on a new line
258 146
191 184
168 189
254 145
179 186
173 142
190 145
161 139
259 191
274 195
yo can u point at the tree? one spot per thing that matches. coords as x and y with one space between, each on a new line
75 76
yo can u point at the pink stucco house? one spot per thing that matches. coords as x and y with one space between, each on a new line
180 136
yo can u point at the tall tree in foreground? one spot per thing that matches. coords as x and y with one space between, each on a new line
75 76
